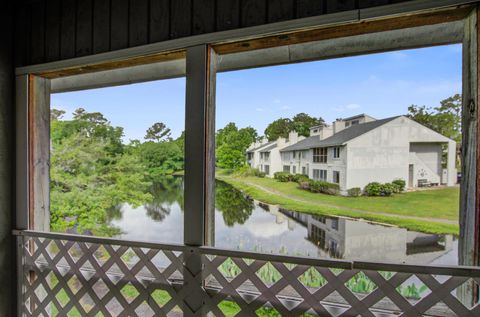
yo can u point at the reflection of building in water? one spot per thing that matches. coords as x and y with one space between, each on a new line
359 240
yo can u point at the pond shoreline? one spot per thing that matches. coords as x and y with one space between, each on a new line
275 197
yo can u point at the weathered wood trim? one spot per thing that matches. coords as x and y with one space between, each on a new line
21 153
335 32
468 186
39 153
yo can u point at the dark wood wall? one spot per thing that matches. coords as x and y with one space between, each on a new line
50 30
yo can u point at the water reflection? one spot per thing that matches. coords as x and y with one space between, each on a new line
244 224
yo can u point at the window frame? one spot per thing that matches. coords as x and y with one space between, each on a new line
336 152
332 35
320 155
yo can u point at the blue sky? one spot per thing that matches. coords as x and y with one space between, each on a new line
380 85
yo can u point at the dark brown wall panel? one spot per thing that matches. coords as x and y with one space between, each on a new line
84 42
308 8
180 18
101 26
37 44
52 31
49 30
228 14
138 23
280 10
119 24
203 16
339 5
159 20
254 12
68 20
371 3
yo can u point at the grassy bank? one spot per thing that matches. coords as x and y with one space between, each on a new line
404 210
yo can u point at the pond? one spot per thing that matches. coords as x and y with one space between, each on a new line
244 224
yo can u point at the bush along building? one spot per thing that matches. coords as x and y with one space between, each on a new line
356 151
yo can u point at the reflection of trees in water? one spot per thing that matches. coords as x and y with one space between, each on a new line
166 191
234 206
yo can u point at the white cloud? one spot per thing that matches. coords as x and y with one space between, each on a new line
286 107
352 106
259 109
343 108
277 101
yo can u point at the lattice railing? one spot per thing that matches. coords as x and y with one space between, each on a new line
67 275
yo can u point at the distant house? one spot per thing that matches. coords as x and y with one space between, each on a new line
355 151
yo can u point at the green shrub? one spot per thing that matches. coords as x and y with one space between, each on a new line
283 177
377 189
323 187
305 185
298 178
388 189
355 192
373 189
400 184
246 171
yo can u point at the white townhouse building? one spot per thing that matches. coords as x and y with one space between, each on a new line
355 151
266 156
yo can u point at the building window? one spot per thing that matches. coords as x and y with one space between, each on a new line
354 122
347 124
320 155
266 169
304 170
336 152
335 223
294 154
336 177
267 155
320 175
286 168
294 170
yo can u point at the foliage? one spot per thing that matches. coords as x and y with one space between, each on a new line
377 189
323 187
355 192
400 185
301 123
234 206
160 158
91 173
231 145
283 177
299 178
246 171
445 119
158 132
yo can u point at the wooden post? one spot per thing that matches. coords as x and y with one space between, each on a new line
39 153
469 193
199 163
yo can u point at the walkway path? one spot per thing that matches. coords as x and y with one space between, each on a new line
297 199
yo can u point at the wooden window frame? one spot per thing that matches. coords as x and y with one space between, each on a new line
331 36
320 155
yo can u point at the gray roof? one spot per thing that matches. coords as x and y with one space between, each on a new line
261 146
269 148
338 138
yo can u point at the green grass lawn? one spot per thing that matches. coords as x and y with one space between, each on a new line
429 204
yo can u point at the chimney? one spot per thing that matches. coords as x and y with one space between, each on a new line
293 137
338 125
323 131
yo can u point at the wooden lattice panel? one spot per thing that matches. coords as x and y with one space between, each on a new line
73 276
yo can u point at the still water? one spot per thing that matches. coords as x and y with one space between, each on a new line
244 224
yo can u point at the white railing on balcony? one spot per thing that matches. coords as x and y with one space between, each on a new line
68 275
